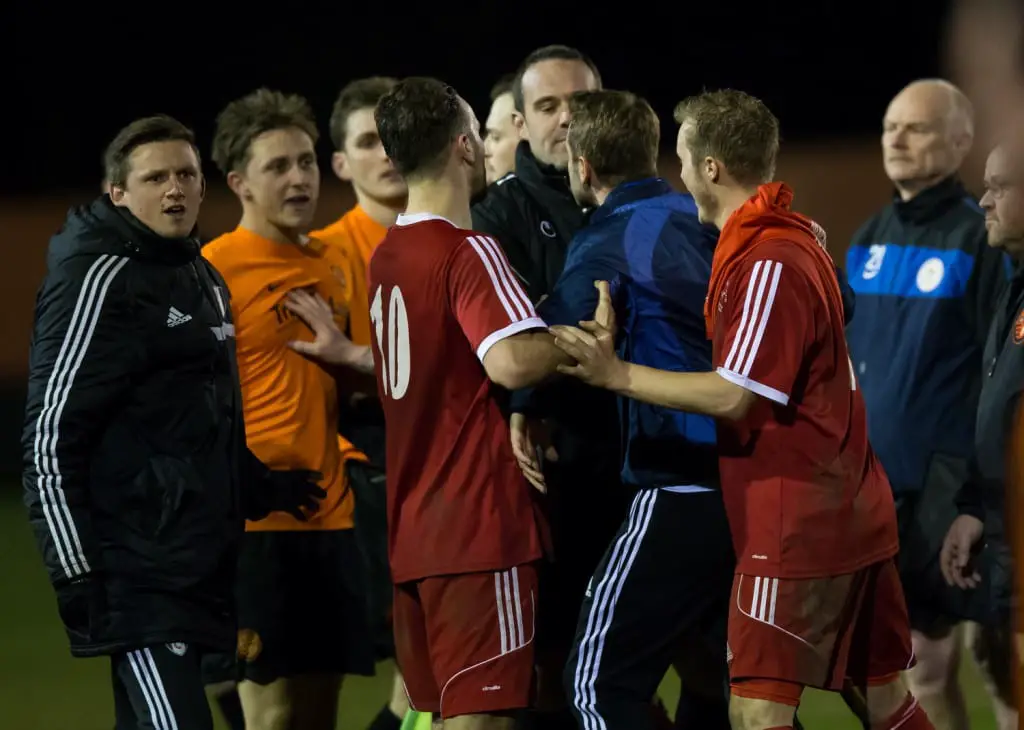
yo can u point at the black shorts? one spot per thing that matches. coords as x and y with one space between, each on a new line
371 530
584 516
304 594
219 667
923 519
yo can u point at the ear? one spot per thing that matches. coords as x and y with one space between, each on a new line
467 149
117 195
339 164
964 143
238 186
712 170
585 170
519 122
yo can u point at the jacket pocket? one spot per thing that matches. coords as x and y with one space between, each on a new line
176 484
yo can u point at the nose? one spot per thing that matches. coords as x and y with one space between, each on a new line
177 188
298 177
564 117
986 201
896 138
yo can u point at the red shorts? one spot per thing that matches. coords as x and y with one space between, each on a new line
464 643
816 632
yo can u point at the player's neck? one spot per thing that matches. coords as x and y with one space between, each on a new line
383 212
258 224
730 200
441 197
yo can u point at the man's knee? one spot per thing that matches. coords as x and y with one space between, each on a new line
760 704
938 660
885 696
266 706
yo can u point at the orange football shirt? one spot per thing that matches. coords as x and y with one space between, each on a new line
356 235
290 402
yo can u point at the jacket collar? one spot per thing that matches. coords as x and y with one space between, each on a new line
627 194
930 203
534 172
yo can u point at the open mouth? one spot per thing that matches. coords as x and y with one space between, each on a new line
297 200
175 210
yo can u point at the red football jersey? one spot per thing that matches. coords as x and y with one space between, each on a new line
805 494
440 298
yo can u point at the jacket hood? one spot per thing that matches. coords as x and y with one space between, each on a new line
103 228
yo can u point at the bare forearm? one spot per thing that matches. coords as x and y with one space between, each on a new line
347 359
538 358
705 393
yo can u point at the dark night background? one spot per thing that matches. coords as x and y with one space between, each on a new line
75 75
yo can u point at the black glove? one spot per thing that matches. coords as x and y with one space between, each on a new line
287 491
82 607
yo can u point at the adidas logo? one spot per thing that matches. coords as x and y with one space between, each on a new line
176 317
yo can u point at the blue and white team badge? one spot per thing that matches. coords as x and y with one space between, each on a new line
178 648
930 275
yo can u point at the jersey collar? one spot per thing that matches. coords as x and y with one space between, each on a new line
407 219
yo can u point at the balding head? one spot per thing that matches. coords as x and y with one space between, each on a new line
927 133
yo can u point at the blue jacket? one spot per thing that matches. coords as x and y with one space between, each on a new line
646 240
926 284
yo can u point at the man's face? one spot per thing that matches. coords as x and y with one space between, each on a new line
694 177
501 138
364 163
282 180
547 86
579 173
1003 202
474 154
164 187
918 144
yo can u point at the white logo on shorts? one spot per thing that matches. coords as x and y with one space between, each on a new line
728 654
178 648
491 688
930 275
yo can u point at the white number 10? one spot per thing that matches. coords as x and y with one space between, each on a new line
394 360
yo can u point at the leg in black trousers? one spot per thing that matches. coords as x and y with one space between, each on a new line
660 592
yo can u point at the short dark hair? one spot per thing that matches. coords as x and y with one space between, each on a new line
502 86
356 95
548 53
245 119
417 121
617 132
734 127
159 128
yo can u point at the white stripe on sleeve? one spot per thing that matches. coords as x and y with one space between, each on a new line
72 352
757 308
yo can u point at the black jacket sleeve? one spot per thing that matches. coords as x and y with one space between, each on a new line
86 347
970 499
990 275
254 478
491 216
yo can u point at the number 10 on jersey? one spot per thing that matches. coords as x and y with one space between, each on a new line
391 318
